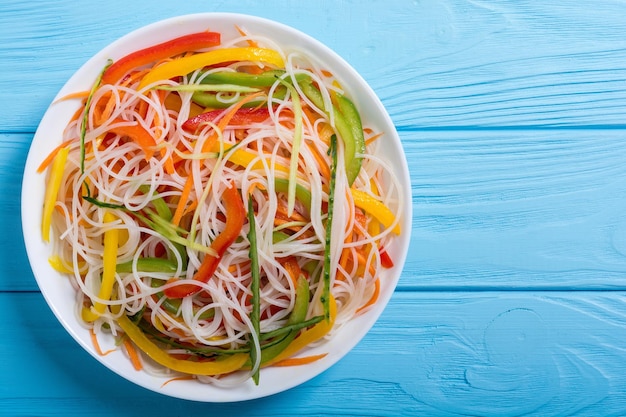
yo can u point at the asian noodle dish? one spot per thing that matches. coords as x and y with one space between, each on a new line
219 207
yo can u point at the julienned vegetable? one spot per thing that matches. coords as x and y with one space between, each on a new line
177 46
235 215
185 65
149 220
52 190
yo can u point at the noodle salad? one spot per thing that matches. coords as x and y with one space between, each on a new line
219 207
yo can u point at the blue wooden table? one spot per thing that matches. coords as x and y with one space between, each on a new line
513 118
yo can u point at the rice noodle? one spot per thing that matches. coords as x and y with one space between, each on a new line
117 174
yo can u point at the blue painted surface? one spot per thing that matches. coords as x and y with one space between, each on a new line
513 117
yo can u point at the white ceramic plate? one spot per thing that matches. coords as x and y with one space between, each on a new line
56 288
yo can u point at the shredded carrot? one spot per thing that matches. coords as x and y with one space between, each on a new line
142 109
250 42
321 162
71 96
191 207
178 378
371 140
184 197
96 345
134 76
361 262
133 354
279 222
281 210
292 267
300 361
46 162
103 111
373 298
345 253
77 114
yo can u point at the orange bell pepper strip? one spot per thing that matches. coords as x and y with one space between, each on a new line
235 216
137 134
171 48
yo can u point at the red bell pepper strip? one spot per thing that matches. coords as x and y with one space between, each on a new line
177 46
235 216
385 259
241 117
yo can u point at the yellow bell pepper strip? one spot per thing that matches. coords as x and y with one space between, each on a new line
109 265
57 264
185 65
376 208
308 336
218 367
173 47
52 191
244 158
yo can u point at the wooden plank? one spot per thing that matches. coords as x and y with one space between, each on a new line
448 63
16 274
440 354
517 209
512 209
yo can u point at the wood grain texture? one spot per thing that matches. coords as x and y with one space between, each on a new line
513 118
439 354
504 209
435 64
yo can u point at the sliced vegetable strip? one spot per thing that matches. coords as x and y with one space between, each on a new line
235 215
177 46
52 190
215 367
375 208
137 134
109 265
184 66
255 313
